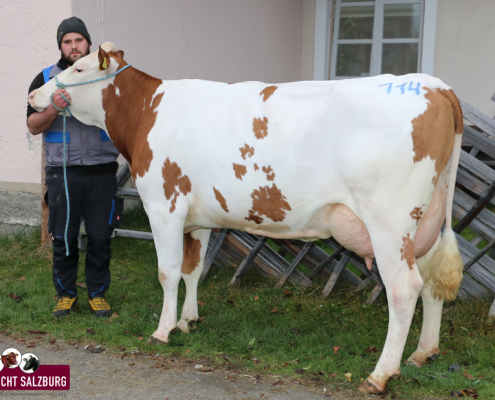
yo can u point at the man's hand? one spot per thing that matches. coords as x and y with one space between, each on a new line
40 122
59 100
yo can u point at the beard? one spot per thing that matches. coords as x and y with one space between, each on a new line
68 60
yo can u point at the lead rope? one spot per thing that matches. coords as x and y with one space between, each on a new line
61 85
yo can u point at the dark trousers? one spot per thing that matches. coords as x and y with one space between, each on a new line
92 198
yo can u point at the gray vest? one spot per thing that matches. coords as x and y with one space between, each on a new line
86 145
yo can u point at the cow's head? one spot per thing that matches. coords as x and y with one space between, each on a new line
86 99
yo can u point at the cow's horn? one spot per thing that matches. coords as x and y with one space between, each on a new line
107 46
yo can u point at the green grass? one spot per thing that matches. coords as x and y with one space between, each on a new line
302 335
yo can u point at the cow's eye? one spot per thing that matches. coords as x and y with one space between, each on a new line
78 69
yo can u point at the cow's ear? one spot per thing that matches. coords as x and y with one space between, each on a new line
120 54
103 58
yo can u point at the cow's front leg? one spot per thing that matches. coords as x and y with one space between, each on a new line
195 245
168 237
403 284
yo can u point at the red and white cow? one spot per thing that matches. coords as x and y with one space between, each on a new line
370 161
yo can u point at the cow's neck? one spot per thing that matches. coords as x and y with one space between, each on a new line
130 106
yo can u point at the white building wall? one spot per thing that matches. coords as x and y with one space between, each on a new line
220 40
465 50
28 44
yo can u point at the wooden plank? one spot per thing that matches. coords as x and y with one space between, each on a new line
480 227
471 183
476 167
480 141
294 264
466 202
476 240
482 121
230 249
475 209
483 224
133 234
336 273
325 262
491 313
293 247
483 271
215 248
127 192
355 260
376 292
248 260
269 263
472 288
369 280
316 255
478 255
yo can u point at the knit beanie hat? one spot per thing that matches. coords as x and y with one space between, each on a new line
72 24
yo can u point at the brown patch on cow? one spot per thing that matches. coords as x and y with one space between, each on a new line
407 251
268 201
456 108
192 257
240 170
433 131
260 127
175 182
256 168
221 199
270 175
246 151
267 92
131 114
416 214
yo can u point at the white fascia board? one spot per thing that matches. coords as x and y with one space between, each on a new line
322 40
430 26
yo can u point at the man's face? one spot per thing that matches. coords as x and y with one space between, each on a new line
73 47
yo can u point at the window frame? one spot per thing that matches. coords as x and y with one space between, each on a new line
377 40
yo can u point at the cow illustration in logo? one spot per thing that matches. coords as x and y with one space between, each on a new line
9 358
31 363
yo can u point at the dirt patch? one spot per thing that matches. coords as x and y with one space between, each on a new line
111 373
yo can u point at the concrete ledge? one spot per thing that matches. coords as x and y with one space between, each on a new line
10 229
20 206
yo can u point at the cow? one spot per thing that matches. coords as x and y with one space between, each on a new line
371 162
32 364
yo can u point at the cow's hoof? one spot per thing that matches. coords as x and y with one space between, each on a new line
186 325
155 341
420 358
370 387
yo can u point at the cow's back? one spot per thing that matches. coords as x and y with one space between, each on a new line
306 143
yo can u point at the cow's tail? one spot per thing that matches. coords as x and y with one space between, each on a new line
447 266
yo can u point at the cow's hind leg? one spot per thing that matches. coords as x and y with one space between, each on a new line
441 269
195 245
395 258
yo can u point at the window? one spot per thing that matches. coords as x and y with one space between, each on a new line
373 37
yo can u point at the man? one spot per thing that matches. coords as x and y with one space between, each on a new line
91 183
